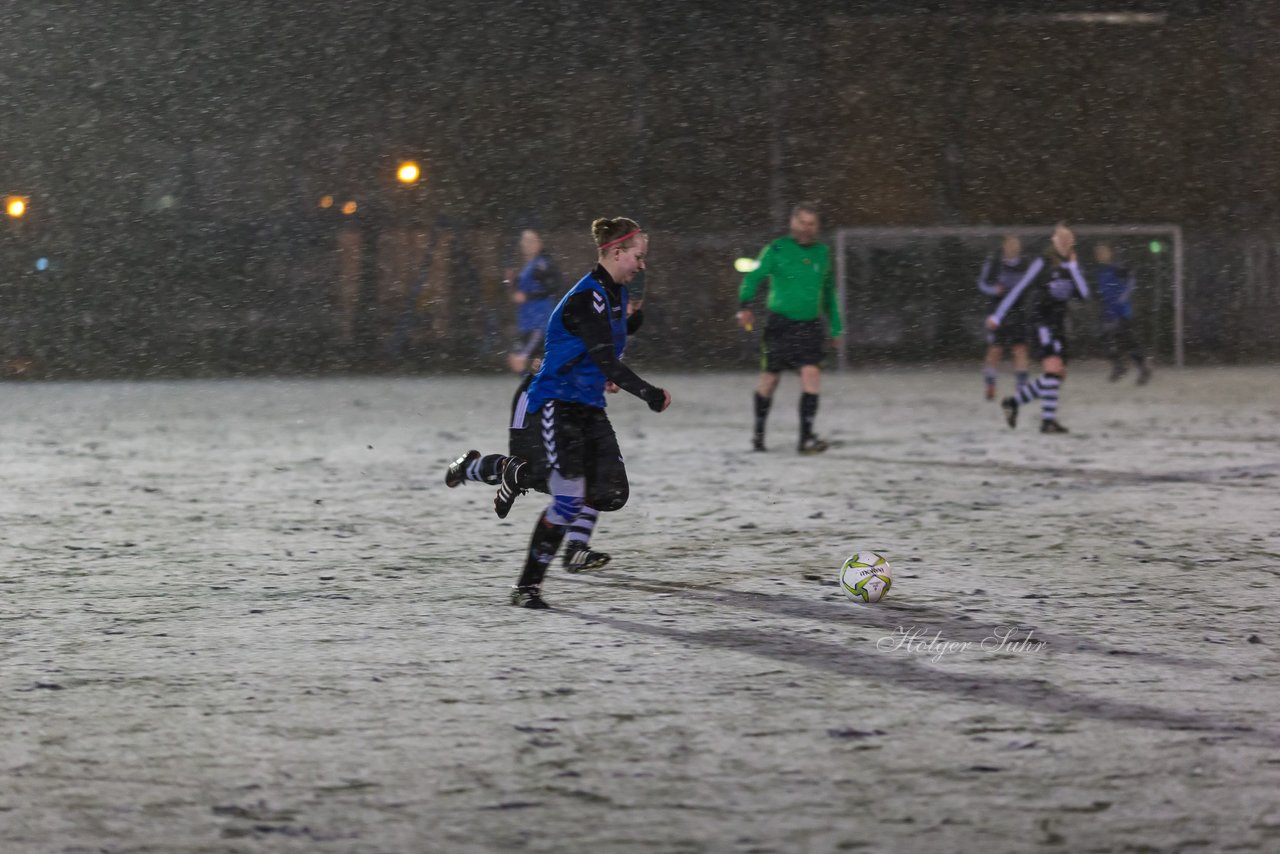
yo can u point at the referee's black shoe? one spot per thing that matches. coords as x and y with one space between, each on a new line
1010 407
757 442
1051 425
457 471
811 445
510 487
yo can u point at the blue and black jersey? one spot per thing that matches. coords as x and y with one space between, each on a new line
539 281
1115 291
586 335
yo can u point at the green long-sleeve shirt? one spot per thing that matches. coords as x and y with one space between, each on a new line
802 284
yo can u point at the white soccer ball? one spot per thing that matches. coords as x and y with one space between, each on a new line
866 577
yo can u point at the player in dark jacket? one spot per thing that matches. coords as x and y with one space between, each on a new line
1115 292
1000 274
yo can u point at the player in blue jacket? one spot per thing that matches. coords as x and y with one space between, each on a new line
525 443
1115 292
534 291
579 457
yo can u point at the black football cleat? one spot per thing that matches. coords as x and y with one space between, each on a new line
456 474
578 557
811 445
1010 407
510 488
528 597
1051 425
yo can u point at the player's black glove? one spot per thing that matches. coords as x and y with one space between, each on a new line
655 397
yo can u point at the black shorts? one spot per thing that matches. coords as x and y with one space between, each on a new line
522 438
577 441
1051 340
791 344
1008 334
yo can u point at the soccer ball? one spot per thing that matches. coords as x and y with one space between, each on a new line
866 577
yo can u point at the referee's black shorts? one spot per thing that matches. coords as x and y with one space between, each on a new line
791 344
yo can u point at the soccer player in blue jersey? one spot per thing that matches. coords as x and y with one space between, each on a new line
534 291
579 456
1052 280
1115 292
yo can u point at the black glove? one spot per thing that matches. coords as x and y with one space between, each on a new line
655 397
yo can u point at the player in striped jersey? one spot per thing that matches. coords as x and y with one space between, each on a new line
1052 280
1000 274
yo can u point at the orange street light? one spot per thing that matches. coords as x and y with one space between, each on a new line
15 206
349 208
326 202
408 173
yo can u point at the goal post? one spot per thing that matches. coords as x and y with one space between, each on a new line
932 271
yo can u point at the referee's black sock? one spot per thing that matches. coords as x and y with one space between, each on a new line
762 412
542 548
808 412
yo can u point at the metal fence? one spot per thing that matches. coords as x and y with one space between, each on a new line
308 297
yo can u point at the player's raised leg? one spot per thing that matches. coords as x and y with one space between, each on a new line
472 466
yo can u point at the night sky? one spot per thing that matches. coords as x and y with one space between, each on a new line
236 107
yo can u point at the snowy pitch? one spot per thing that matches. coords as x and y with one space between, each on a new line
247 616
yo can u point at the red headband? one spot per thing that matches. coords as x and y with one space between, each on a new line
621 239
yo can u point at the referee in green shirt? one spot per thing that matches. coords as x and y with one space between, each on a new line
802 314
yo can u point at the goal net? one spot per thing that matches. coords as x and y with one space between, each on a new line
911 294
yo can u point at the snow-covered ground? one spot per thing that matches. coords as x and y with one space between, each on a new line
247 616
